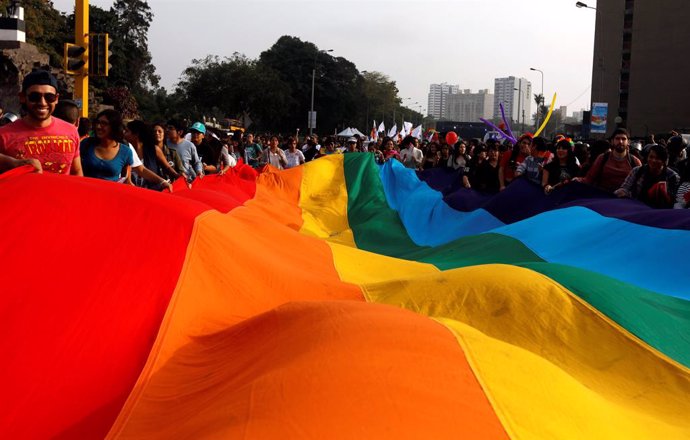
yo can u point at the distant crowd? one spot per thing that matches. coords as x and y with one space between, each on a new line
51 137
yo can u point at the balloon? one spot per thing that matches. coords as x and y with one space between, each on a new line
500 132
505 125
505 121
451 138
548 116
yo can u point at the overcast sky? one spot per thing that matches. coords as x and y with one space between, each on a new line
415 43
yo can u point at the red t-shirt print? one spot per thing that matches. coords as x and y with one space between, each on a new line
55 146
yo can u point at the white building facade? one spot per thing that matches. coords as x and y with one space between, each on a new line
438 99
516 96
466 106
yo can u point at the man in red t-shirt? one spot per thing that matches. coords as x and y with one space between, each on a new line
609 170
38 139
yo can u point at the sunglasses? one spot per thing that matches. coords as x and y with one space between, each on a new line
37 96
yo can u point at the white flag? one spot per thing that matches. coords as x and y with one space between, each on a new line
246 120
403 133
417 132
393 131
382 128
407 126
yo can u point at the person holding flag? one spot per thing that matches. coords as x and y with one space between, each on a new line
382 128
393 131
410 155
374 133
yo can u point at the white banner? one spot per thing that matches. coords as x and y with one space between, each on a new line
417 132
393 131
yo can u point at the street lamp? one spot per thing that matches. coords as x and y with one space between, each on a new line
312 117
542 94
596 63
584 5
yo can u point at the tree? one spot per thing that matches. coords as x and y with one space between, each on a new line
539 117
127 22
293 61
337 85
340 93
381 95
555 122
158 105
131 48
123 101
230 87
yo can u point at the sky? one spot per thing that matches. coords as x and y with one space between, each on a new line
416 43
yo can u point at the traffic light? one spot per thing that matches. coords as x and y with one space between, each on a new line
75 59
99 54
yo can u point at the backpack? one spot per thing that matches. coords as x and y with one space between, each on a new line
607 155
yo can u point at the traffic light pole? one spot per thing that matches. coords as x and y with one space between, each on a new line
81 38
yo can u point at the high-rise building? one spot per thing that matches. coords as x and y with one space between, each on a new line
466 106
640 67
563 110
577 116
516 96
438 99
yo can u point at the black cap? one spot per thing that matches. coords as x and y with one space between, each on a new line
39 78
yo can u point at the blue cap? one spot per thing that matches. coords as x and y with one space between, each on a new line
198 126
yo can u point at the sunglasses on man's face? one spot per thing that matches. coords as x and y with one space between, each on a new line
36 97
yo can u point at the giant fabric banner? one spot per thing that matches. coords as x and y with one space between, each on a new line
339 299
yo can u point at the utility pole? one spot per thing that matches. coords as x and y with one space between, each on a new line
312 114
312 119
520 103
539 105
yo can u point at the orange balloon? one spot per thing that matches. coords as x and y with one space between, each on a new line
451 138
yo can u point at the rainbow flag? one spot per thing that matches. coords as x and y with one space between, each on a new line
339 299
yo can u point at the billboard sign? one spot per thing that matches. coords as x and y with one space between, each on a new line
600 111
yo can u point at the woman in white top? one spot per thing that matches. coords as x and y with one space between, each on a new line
459 159
273 155
294 156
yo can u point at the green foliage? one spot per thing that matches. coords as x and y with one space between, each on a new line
157 105
275 90
539 99
382 98
127 22
229 87
121 98
343 96
130 45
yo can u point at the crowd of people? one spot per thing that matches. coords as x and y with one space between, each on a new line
657 173
51 137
